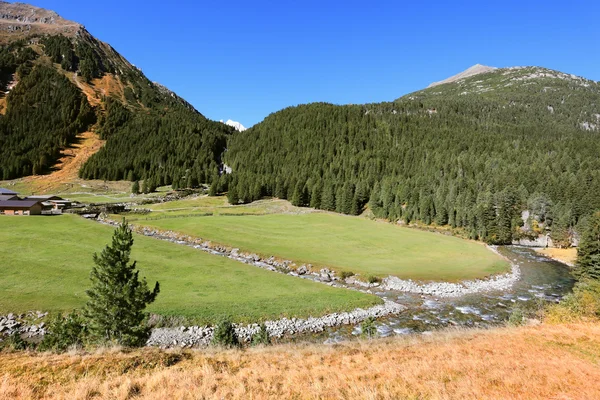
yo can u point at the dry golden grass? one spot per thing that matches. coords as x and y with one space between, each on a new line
567 256
67 167
541 362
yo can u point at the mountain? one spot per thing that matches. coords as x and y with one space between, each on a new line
474 153
472 71
236 125
57 81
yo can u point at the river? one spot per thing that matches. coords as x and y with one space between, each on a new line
542 281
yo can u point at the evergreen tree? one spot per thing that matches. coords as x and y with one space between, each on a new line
328 197
588 253
298 198
315 196
117 298
232 196
135 187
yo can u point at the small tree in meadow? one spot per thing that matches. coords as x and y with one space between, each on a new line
117 298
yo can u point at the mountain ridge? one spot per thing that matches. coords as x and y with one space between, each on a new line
471 71
135 121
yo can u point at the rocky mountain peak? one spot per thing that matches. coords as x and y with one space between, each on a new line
471 71
20 20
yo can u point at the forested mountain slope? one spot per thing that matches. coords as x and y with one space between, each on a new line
473 153
57 81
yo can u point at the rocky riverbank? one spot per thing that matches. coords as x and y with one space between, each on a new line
195 336
28 325
447 289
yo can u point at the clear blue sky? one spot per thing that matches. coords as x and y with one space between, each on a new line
246 59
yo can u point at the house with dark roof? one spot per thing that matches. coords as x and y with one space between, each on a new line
6 192
21 207
6 197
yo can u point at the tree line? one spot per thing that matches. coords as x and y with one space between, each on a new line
472 161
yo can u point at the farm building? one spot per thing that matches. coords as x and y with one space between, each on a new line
6 192
11 204
21 207
6 197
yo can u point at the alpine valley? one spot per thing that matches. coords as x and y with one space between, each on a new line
444 244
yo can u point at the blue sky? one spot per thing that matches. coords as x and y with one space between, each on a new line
246 59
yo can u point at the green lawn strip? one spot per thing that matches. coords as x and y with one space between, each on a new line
346 243
46 263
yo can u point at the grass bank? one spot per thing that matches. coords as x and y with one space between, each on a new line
46 263
540 362
344 243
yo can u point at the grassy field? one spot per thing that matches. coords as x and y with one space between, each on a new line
218 206
46 263
539 362
344 243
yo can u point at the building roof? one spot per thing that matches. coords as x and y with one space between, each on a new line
7 192
12 204
43 197
6 197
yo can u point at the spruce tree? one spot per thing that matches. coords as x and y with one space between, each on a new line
145 189
588 253
328 197
117 298
135 187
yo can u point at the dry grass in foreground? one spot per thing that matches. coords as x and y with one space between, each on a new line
539 362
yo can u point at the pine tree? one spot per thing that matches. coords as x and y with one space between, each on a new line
145 188
588 253
298 198
135 187
232 195
117 298
315 196
328 197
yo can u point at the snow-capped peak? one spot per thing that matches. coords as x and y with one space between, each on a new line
239 127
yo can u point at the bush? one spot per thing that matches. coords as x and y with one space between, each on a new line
14 342
516 317
225 335
262 337
373 279
346 274
582 304
368 327
65 332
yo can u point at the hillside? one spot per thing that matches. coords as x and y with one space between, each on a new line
539 362
57 82
473 153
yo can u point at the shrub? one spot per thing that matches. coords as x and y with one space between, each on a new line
65 332
224 335
262 337
368 327
346 274
373 279
582 304
14 342
516 317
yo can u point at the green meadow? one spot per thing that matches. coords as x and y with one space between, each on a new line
343 243
46 263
